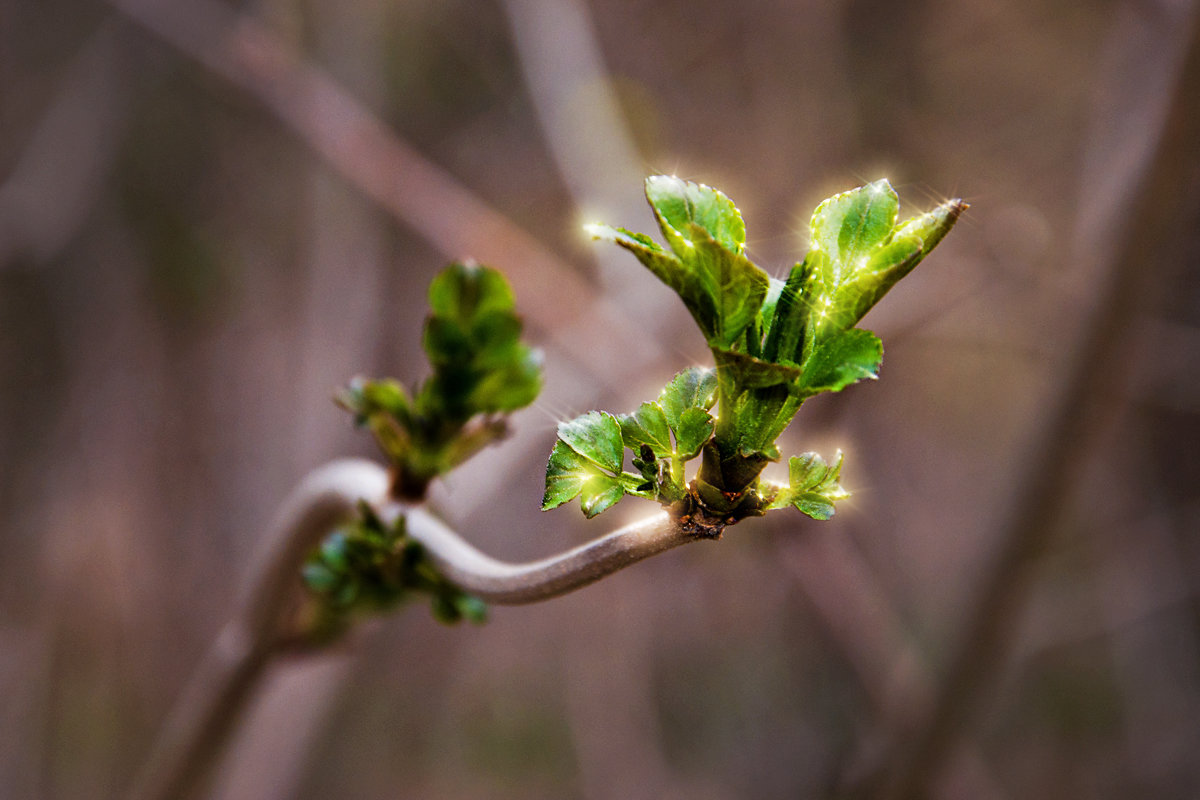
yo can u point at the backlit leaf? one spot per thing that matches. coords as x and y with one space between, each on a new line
566 473
848 226
596 436
694 428
813 486
647 425
679 204
734 282
843 359
695 387
600 493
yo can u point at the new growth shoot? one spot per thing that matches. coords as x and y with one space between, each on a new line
775 343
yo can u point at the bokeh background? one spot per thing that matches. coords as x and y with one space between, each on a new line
213 214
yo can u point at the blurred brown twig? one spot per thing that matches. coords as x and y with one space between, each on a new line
385 168
1061 441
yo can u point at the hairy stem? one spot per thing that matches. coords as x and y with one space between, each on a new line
219 691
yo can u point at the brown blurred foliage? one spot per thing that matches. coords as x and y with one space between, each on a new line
211 217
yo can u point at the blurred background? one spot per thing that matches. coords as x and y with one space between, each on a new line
212 215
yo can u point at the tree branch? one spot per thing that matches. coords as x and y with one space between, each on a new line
236 662
515 584
1061 444
361 149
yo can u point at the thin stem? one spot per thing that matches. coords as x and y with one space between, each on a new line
516 584
237 660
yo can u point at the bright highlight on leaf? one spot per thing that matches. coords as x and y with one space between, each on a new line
775 344
813 486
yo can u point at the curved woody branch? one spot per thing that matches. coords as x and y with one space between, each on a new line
236 661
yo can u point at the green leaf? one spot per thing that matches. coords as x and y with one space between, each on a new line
566 473
511 386
444 609
733 281
599 493
319 578
932 226
596 436
648 425
693 429
680 204
848 226
495 339
471 608
845 358
754 373
775 342
813 486
859 293
810 472
668 269
817 506
867 261
694 387
446 342
788 326
910 242
333 551
364 397
465 290
723 290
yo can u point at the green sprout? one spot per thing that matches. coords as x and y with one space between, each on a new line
775 343
482 371
367 566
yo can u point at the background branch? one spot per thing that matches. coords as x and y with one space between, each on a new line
364 152
229 673
1062 440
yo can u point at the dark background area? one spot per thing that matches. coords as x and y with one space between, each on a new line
211 217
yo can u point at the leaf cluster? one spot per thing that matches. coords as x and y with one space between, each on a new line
481 371
370 567
588 459
775 343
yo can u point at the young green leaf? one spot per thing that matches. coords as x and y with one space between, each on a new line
647 426
693 429
510 386
566 473
466 290
842 359
668 269
369 566
723 290
775 342
754 373
788 324
680 204
848 226
862 272
481 368
932 226
694 387
813 486
733 281
586 462
599 493
597 437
